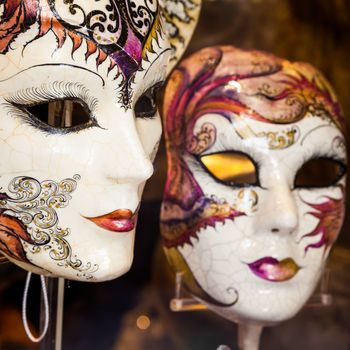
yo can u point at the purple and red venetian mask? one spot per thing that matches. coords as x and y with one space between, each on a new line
254 198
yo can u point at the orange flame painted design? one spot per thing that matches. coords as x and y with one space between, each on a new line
126 44
12 232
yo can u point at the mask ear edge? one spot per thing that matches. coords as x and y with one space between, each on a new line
180 19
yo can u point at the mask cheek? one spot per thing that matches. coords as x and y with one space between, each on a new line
323 211
247 200
16 157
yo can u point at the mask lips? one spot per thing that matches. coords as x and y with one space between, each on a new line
273 270
120 220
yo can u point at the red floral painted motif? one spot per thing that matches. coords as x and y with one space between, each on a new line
309 86
206 212
330 214
12 233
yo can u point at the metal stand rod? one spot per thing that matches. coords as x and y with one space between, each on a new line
55 290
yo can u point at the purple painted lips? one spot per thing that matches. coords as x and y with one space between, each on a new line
273 270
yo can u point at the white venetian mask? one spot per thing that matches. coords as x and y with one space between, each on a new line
255 192
79 130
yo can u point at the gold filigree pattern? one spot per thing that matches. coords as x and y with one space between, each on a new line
273 140
247 200
180 17
35 204
204 139
339 144
277 140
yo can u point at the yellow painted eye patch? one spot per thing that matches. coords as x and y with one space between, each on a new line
233 168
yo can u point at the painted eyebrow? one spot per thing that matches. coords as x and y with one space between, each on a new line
56 65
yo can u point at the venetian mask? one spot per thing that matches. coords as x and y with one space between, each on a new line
79 128
254 198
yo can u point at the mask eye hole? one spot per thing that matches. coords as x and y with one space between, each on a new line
145 106
231 168
320 172
62 114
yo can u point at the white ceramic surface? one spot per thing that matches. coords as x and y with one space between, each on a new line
252 250
70 195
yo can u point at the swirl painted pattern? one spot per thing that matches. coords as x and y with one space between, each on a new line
120 31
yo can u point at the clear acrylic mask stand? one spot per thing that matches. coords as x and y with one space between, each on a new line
60 114
55 292
248 334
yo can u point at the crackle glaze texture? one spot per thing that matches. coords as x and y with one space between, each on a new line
251 251
69 196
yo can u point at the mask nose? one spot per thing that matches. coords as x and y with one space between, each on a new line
278 213
144 170
129 163
138 170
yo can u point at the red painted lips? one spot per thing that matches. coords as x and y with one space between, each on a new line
121 220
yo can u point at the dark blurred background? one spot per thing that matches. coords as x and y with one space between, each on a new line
132 313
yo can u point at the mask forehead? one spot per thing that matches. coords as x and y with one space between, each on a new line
118 33
249 84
